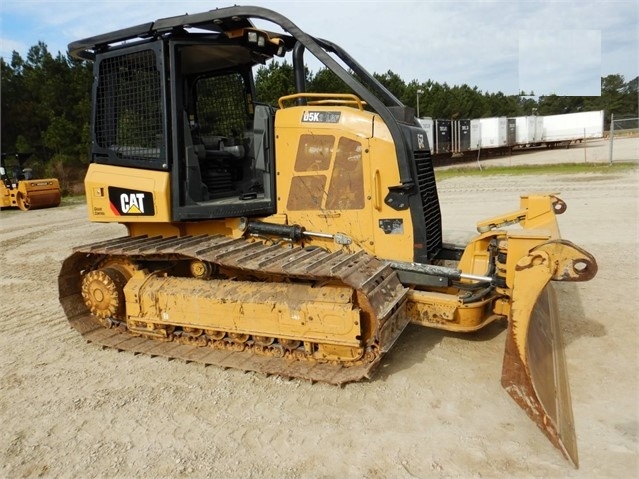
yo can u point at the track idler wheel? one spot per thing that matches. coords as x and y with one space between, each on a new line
103 292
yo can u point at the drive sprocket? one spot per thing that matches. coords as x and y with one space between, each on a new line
103 292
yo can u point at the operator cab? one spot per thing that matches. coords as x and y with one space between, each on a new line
177 95
183 102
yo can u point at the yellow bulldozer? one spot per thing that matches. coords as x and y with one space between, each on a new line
296 239
19 189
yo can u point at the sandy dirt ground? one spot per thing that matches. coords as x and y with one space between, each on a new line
435 408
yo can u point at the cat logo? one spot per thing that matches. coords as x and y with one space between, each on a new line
420 142
131 202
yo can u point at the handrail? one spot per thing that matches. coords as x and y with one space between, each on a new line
342 98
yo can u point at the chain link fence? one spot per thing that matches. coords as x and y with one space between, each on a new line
621 127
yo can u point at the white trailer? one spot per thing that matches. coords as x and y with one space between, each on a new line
427 124
573 126
529 130
494 132
475 134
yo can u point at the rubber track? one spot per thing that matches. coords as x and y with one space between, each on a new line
375 280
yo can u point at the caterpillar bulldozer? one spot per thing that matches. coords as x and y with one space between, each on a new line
296 239
22 190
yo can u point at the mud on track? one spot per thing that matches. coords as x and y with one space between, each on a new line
435 408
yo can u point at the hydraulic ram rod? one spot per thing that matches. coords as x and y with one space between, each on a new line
433 270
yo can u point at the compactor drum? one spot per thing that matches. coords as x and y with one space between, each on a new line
296 239
21 190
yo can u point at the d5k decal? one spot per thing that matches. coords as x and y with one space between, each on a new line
321 117
131 202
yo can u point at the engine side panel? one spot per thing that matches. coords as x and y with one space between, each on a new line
334 167
127 195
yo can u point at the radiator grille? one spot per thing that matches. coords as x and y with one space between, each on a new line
430 201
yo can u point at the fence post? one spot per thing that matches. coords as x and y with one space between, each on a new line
612 136
584 145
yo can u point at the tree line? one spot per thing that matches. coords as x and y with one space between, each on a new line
46 104
460 101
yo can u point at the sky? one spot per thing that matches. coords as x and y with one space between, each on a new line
542 47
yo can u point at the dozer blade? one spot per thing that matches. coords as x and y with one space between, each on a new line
534 370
